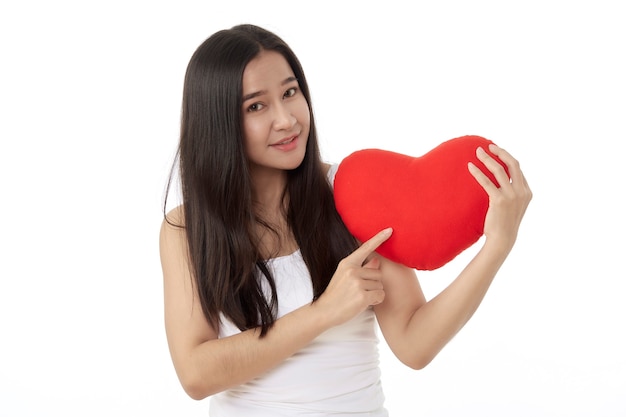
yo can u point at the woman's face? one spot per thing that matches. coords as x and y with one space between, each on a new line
276 115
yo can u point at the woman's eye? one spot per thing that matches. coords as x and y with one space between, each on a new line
291 92
255 107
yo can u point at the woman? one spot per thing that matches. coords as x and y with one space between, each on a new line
270 303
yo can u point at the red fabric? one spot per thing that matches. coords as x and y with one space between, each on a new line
435 206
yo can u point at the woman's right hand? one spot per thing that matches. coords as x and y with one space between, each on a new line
206 364
356 284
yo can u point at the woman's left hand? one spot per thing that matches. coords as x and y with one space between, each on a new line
508 201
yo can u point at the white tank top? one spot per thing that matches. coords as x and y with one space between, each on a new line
337 374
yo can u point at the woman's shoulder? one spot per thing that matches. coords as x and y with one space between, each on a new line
173 222
175 216
330 170
172 239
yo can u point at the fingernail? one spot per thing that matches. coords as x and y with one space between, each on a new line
388 231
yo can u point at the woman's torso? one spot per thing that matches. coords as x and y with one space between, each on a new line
337 374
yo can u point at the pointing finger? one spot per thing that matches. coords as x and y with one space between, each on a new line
360 255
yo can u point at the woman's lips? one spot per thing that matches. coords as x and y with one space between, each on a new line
287 144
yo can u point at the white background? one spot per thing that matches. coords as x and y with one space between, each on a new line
89 115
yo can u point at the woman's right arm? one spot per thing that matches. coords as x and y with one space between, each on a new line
206 365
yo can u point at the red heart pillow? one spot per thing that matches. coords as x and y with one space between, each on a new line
435 206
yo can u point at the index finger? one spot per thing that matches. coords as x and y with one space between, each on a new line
360 255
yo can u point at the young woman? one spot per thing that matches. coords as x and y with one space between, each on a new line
270 303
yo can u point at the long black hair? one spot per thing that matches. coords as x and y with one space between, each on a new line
219 215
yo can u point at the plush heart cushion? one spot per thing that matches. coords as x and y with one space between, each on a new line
435 206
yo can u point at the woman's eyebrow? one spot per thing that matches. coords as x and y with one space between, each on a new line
260 93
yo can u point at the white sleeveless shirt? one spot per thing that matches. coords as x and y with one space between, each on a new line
337 374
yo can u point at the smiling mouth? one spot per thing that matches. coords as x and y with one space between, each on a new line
286 141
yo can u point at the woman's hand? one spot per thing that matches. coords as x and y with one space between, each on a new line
508 201
356 284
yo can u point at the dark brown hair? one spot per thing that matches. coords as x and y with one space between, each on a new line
217 197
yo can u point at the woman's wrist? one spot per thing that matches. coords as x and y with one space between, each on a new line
499 247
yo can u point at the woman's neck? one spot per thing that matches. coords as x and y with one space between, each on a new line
273 232
268 189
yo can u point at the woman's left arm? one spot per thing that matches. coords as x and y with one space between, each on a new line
417 330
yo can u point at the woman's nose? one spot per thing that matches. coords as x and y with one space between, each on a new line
283 118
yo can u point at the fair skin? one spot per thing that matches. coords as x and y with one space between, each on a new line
415 329
276 122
